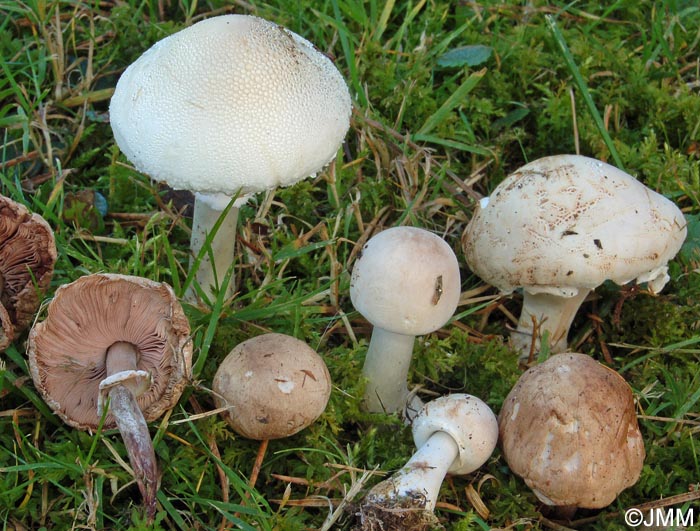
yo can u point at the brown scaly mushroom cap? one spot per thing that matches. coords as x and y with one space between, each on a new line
274 386
67 351
27 258
569 429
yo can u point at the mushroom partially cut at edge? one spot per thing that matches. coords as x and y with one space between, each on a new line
27 258
117 340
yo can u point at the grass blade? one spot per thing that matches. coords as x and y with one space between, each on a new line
583 88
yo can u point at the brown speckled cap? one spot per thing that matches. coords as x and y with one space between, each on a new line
67 351
569 429
275 385
27 258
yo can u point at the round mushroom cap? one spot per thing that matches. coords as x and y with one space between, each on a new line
567 222
273 385
569 429
468 420
67 351
27 258
406 281
233 103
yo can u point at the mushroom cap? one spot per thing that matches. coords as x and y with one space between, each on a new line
27 258
67 350
274 386
569 429
468 420
567 222
406 281
231 103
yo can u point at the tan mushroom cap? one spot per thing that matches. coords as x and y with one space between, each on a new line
27 258
67 350
274 385
569 429
568 222
234 102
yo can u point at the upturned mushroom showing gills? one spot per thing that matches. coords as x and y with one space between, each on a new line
406 283
228 107
569 429
27 258
559 227
454 434
117 341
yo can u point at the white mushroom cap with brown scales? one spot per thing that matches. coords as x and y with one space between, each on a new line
562 225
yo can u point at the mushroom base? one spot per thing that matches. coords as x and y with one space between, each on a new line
407 513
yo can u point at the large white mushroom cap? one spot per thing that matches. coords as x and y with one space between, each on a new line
568 222
231 103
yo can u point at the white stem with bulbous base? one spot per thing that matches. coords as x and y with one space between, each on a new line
420 479
386 370
552 314
216 260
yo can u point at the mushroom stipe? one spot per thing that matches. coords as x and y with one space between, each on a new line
116 340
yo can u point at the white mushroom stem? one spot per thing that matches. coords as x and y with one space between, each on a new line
217 259
123 383
420 479
386 370
545 312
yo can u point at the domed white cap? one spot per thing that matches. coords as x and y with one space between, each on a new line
406 281
468 420
568 222
231 103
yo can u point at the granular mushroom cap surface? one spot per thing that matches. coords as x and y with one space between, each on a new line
231 103
569 429
67 350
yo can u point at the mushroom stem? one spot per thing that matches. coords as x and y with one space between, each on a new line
219 257
122 357
386 370
545 312
421 477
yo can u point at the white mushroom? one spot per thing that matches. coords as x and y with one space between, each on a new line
406 283
559 227
454 434
228 107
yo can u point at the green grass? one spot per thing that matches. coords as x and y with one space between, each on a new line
431 133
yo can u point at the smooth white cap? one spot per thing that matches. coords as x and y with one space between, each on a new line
406 281
567 222
468 420
233 103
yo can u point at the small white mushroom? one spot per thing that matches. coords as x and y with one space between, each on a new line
559 227
232 105
454 434
406 283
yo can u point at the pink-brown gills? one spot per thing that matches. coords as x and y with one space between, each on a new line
27 258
